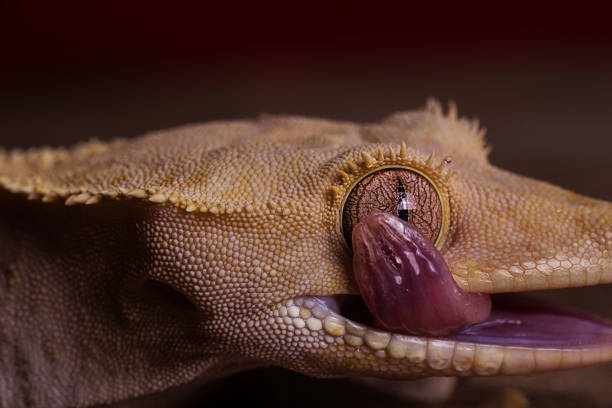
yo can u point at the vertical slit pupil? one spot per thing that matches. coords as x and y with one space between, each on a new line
403 210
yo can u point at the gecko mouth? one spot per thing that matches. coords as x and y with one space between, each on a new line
521 335
411 319
406 287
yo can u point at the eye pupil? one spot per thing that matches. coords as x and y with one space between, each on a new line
404 204
398 191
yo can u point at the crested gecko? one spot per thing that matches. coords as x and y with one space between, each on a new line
130 267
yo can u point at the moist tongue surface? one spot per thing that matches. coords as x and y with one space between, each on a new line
405 282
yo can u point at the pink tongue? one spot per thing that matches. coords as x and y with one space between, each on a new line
405 282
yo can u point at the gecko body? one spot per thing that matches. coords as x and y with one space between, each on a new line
187 254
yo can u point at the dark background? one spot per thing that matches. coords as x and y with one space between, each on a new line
537 75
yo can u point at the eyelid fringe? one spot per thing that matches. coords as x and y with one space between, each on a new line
438 171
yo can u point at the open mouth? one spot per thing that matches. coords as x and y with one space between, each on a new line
522 335
411 308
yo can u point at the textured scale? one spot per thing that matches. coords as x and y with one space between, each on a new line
180 253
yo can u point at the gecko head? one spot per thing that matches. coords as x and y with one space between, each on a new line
335 249
269 264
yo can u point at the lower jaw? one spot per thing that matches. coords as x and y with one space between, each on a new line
523 335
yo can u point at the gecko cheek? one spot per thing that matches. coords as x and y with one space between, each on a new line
405 283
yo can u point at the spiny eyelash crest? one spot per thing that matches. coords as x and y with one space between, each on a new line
436 170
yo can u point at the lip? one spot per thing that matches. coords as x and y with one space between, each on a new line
342 324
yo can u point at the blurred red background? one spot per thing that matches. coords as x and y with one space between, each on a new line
537 74
160 34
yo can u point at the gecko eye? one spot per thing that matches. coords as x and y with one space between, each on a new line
398 191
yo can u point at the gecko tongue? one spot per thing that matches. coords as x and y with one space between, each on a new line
405 282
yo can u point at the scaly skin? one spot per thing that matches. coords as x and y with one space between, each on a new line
195 246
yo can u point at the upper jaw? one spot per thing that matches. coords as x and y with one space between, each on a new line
511 234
